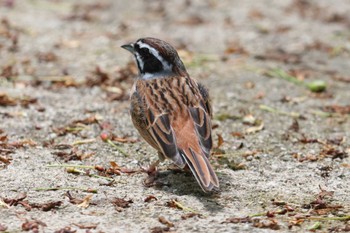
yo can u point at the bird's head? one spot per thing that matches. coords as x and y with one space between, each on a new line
156 57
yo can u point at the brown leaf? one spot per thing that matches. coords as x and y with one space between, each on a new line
47 206
121 203
16 200
295 126
86 201
32 225
164 221
220 141
334 153
238 220
8 72
3 138
23 143
320 205
124 139
4 159
295 222
337 109
234 47
160 229
5 100
86 226
73 200
62 81
307 157
76 126
66 230
306 140
266 223
86 121
150 198
324 193
238 135
189 215
26 101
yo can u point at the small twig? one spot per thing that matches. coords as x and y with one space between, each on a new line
71 165
327 114
89 190
314 86
80 142
315 226
117 148
274 110
73 169
257 215
343 218
182 207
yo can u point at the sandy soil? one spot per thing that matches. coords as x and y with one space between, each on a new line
282 153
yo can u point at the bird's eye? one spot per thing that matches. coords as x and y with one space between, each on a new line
145 52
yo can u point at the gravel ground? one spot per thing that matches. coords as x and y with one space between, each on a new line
282 150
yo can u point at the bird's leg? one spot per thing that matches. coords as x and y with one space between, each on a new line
152 174
152 169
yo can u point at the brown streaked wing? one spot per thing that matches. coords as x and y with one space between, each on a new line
163 134
155 127
202 123
201 115
139 120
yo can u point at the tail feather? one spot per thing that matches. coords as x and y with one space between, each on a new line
201 169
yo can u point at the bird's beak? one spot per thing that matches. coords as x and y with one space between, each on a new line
129 47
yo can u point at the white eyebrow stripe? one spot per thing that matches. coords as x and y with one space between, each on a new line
166 65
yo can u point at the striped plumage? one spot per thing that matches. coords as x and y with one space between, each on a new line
171 110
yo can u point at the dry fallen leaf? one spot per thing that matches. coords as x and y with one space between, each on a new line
337 109
121 203
150 198
255 129
238 220
32 225
160 229
6 100
166 222
269 223
86 226
86 201
66 230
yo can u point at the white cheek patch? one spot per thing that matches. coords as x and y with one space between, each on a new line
139 61
166 65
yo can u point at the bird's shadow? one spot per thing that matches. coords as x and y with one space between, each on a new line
180 182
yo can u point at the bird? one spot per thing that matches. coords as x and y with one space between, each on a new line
171 110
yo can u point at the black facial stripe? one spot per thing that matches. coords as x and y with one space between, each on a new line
151 64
